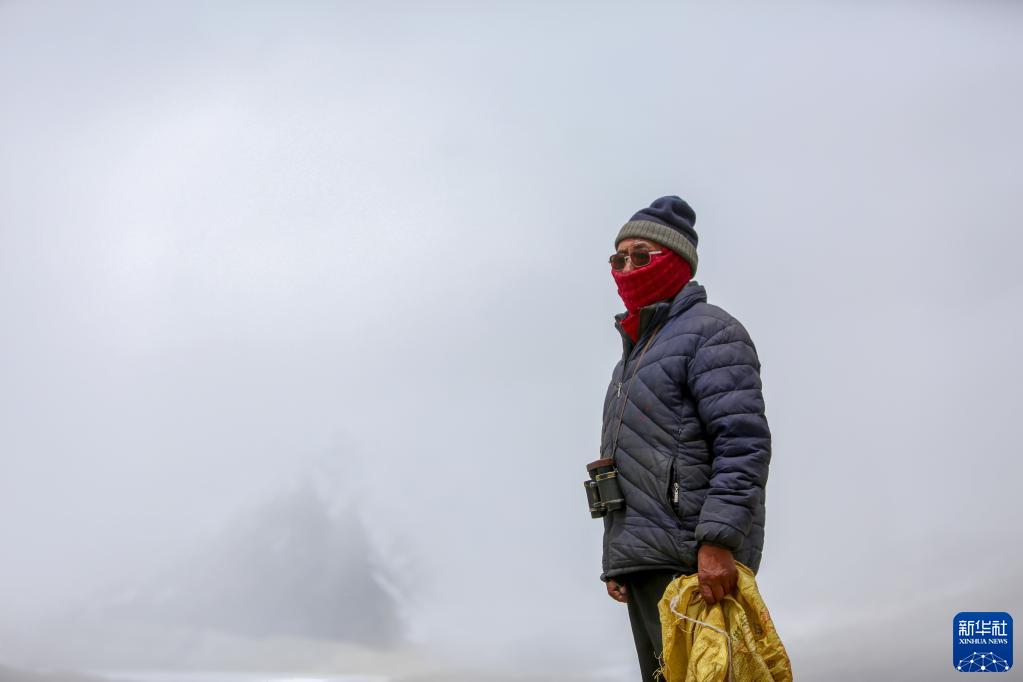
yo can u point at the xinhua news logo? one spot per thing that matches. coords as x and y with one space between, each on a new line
982 642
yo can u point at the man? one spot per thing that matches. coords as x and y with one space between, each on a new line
684 425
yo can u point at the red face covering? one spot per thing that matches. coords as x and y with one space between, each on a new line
664 277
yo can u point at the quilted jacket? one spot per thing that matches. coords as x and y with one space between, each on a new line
686 427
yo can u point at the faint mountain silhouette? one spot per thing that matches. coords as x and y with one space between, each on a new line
290 567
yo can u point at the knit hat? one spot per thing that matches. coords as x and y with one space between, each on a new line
668 221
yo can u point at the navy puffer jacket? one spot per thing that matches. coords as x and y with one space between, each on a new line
693 447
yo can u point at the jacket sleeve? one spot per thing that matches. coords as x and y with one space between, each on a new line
724 379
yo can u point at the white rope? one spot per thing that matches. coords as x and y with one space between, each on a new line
728 638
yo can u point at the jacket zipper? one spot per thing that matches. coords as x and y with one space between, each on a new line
674 490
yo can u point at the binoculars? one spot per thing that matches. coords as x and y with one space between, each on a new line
603 493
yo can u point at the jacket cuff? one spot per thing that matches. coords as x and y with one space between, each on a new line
713 544
720 535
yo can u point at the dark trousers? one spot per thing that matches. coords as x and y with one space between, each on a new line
644 589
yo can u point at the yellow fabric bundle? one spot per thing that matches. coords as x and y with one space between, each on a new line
733 640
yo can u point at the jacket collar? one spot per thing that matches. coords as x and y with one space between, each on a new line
655 313
691 294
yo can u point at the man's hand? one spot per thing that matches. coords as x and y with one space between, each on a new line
718 574
617 591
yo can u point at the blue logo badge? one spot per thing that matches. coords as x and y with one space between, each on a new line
982 641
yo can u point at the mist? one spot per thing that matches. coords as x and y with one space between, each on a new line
310 301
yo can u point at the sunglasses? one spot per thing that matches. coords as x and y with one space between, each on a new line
639 257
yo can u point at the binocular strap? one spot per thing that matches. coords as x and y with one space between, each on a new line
628 387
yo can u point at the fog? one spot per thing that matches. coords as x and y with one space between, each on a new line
311 300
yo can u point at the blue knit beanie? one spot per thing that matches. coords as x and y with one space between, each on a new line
668 221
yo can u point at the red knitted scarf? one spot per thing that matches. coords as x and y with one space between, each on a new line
664 277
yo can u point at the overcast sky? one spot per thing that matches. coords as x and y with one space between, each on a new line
245 242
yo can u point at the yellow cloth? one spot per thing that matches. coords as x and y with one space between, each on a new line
744 635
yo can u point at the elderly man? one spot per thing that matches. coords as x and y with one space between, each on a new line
684 429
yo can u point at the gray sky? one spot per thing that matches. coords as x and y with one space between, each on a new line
245 242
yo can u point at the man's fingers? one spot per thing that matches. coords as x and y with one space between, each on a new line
616 591
730 583
714 590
